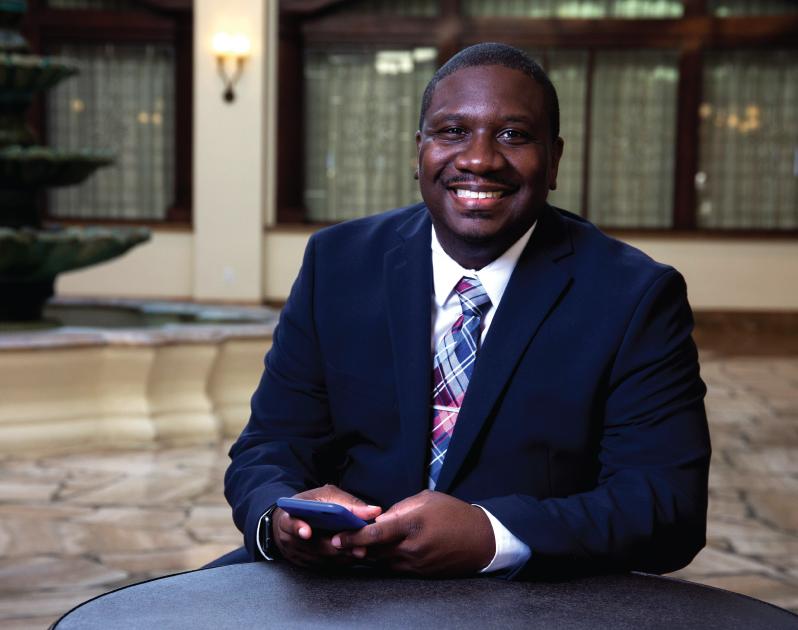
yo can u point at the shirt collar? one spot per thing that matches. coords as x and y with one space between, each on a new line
446 273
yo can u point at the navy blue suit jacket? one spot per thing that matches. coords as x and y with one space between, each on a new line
583 428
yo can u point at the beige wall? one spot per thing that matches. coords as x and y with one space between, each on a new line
161 268
228 256
229 156
731 274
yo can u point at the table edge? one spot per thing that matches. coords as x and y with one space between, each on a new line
54 625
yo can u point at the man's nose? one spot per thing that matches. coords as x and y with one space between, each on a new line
480 154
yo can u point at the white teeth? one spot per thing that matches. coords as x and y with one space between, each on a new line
473 194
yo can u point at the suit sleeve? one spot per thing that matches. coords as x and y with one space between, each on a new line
648 510
285 445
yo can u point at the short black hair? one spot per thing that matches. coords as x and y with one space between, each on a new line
495 54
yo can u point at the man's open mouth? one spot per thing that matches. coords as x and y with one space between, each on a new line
476 197
478 194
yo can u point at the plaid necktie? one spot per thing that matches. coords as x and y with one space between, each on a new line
452 368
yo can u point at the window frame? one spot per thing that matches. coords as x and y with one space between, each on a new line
315 23
152 22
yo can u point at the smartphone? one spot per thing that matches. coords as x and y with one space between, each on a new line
329 517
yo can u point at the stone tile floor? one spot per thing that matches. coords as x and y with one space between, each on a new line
74 526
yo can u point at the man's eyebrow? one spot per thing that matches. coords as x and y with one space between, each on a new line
520 118
446 118
443 118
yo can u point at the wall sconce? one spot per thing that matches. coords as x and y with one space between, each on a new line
231 52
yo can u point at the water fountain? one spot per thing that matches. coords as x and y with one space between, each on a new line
30 255
98 373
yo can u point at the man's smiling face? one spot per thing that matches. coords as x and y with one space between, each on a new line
486 159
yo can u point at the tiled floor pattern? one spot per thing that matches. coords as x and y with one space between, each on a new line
74 526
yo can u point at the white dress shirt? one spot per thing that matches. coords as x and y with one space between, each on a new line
511 552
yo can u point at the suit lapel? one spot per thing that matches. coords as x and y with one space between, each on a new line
535 287
408 283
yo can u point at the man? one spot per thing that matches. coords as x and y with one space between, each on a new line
496 382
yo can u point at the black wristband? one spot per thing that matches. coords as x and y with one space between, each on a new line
266 540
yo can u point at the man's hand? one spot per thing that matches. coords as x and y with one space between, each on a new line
299 544
430 533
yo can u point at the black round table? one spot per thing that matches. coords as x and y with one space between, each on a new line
261 595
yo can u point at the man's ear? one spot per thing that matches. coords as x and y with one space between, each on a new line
556 153
418 149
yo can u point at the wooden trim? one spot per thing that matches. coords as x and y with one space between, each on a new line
687 139
450 30
84 25
307 7
746 333
766 31
180 210
354 30
585 201
158 226
290 126
693 8
168 5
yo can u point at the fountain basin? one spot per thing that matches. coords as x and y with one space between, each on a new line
183 377
23 75
33 255
37 167
31 259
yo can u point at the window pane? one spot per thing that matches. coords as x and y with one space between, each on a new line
123 99
575 8
633 125
361 114
723 8
568 71
748 164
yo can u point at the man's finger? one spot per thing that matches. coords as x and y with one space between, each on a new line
357 506
405 506
366 512
333 494
295 527
383 533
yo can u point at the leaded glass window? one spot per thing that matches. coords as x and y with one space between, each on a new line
575 8
748 173
633 135
123 100
628 97
361 114
568 71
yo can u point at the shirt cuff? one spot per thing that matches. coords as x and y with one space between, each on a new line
511 552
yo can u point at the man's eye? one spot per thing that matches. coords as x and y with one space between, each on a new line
452 132
513 135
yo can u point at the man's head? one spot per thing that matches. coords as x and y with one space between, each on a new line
493 54
488 150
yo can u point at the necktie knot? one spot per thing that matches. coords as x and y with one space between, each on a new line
473 299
